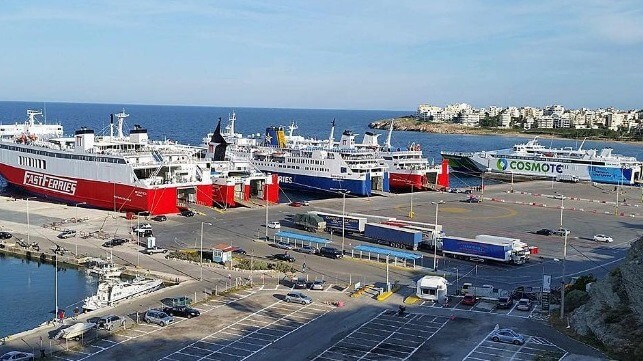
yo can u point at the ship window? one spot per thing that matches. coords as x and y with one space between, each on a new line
343 170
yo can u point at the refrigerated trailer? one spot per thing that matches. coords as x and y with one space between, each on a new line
483 247
334 222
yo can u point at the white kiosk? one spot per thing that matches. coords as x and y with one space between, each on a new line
432 288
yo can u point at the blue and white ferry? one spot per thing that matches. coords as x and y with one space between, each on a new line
562 164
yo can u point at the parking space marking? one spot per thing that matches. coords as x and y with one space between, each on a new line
248 338
385 336
487 349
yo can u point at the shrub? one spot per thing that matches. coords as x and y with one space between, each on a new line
255 265
575 299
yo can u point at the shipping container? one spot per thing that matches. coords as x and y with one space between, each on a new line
334 222
482 249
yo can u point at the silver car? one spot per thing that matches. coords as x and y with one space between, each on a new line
298 297
158 317
17 356
508 336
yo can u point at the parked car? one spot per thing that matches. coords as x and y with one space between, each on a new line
330 252
296 204
317 285
283 245
109 322
17 356
300 283
5 235
142 226
307 249
305 203
160 218
545 232
274 225
187 213
469 300
508 336
284 257
505 302
143 232
560 196
154 250
158 317
472 199
68 233
298 297
603 238
114 242
182 311
238 250
525 292
524 304
562 232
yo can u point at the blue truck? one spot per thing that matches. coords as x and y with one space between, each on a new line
393 236
484 247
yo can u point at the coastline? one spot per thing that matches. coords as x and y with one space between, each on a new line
414 125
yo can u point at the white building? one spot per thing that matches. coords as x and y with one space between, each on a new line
432 288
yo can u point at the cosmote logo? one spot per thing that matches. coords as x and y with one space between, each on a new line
502 164
51 183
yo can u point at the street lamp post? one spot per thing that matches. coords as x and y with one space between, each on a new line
28 223
562 290
201 250
388 284
343 192
435 239
411 213
512 181
267 203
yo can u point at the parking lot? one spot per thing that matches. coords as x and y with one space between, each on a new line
490 308
253 333
388 336
534 347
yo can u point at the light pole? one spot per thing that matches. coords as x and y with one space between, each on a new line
482 187
76 205
435 239
267 203
411 213
562 290
388 284
562 206
201 250
28 223
512 181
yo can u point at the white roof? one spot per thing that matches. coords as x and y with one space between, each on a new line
432 281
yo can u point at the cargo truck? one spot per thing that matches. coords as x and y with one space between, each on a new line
393 236
483 247
334 222
309 222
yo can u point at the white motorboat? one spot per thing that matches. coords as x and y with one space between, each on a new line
113 290
74 331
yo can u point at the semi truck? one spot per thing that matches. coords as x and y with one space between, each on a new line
393 236
334 222
309 222
485 247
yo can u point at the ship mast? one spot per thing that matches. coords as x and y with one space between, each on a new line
331 138
120 118
388 137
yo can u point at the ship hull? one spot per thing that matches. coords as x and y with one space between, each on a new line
481 162
307 183
104 195
228 193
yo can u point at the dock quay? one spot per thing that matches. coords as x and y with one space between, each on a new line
245 314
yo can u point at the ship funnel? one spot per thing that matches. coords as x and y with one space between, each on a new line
370 139
217 145
275 137
348 139
84 140
138 135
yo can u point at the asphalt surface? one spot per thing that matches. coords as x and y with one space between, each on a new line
322 331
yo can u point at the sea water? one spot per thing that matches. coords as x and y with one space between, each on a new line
27 292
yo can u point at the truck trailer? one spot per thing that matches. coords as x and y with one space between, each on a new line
484 247
393 236
310 222
334 222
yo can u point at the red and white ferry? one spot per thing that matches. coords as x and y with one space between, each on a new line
117 172
408 168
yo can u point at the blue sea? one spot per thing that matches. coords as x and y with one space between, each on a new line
27 293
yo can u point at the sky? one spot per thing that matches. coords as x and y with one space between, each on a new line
331 54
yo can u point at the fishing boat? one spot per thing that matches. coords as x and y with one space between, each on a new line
535 160
76 330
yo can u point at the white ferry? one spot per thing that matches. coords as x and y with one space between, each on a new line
534 159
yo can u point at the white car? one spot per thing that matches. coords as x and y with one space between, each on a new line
560 196
274 225
603 238
17 356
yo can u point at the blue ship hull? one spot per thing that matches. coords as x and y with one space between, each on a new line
320 184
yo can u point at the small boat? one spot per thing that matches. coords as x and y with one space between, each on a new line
74 331
113 290
104 269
